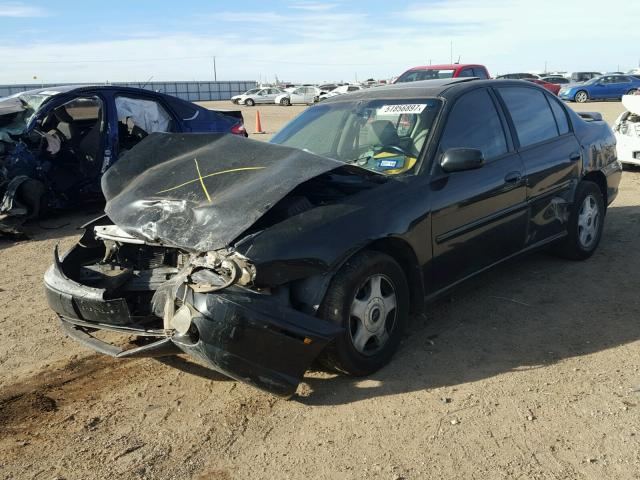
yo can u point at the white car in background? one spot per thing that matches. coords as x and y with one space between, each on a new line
627 131
257 95
341 90
305 94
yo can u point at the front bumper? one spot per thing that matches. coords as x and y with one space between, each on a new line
245 335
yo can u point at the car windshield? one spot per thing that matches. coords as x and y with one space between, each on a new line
252 91
17 123
385 136
416 75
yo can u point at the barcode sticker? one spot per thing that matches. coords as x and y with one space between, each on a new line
400 109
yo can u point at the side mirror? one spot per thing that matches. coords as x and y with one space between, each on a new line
460 159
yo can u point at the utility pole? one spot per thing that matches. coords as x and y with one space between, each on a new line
545 66
215 72
451 51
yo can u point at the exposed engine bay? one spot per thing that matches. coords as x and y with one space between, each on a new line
627 131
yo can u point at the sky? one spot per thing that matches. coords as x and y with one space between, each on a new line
308 40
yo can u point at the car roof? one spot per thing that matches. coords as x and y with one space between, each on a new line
89 87
445 88
446 66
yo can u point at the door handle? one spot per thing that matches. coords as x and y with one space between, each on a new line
513 177
575 156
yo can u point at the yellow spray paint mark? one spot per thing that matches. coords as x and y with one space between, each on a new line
204 187
202 177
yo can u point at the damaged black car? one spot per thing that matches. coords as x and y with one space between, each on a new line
55 143
258 259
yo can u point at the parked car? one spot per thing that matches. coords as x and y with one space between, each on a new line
277 253
258 95
627 131
552 87
239 99
579 77
606 87
517 76
55 143
430 72
327 87
307 95
556 79
341 90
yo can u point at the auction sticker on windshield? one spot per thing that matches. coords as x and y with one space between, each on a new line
405 108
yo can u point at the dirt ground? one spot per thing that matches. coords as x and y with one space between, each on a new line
529 371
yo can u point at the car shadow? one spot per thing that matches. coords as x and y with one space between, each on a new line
526 314
192 368
55 225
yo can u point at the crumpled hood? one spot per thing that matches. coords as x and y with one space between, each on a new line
201 191
631 103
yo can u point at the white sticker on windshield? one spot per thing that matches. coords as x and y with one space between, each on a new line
399 109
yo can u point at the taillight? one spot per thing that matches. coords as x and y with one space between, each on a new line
238 129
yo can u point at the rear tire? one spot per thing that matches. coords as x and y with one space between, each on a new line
369 298
249 102
633 91
581 96
285 102
586 222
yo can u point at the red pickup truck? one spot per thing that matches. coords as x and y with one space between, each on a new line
430 72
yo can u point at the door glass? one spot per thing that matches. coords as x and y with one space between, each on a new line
481 130
137 118
560 115
530 113
467 72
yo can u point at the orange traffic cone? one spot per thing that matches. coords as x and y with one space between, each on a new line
258 124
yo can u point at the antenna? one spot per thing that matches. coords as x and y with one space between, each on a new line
147 82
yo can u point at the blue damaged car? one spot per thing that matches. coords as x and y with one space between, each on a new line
606 87
55 143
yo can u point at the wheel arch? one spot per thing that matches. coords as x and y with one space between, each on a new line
403 253
597 177
310 292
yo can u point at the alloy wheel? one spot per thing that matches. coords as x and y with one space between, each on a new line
373 314
588 222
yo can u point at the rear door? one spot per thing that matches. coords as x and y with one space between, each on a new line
620 85
551 157
479 217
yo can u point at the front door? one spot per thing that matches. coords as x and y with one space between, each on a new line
479 217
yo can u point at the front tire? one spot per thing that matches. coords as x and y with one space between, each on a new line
249 102
633 91
285 102
586 222
581 96
369 298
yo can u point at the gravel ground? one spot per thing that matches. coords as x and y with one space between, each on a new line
529 371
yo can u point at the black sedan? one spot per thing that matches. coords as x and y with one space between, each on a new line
257 258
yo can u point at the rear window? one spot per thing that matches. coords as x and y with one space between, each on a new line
480 72
531 114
